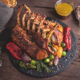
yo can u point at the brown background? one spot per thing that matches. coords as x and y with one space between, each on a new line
44 7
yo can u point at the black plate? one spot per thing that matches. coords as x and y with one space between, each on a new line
63 63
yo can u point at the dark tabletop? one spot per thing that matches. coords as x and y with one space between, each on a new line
44 7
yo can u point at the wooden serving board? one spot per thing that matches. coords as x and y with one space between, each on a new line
5 15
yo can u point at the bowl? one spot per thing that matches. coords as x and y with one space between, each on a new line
63 9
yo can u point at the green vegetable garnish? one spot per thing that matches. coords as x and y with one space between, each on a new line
22 64
64 53
27 65
46 60
63 44
51 57
39 68
30 66
33 62
45 67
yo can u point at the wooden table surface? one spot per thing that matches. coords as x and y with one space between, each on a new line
44 7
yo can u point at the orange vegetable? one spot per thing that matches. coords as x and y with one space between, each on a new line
59 52
60 28
53 23
41 54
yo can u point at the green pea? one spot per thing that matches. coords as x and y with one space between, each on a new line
51 57
64 53
33 62
47 60
63 44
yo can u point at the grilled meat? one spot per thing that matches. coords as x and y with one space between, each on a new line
20 37
59 36
42 43
41 30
